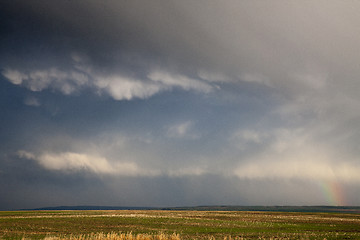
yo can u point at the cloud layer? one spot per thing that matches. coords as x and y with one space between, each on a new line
117 86
256 99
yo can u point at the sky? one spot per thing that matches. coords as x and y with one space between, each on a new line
179 103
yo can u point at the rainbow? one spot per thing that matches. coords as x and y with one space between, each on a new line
333 193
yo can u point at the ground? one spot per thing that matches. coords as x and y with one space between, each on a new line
186 224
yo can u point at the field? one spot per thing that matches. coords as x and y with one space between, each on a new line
160 224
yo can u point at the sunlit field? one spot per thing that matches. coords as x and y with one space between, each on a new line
175 225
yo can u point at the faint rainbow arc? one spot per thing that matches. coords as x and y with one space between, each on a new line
333 193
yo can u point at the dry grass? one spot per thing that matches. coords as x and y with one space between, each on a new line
161 236
188 225
130 236
119 236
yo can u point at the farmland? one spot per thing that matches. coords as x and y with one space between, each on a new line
179 224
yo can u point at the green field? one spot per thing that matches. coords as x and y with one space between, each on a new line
188 224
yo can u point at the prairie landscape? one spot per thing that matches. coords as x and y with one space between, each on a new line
170 104
161 224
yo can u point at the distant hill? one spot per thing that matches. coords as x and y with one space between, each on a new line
92 208
339 209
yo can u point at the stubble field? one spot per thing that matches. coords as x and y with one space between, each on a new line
156 224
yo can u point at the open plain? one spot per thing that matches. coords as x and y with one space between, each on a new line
160 224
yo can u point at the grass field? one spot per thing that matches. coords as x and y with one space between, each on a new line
162 225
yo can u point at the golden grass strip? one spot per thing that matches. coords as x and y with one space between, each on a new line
117 236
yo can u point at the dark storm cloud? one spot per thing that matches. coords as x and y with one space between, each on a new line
111 47
169 96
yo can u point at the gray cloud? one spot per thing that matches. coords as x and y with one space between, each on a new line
245 93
